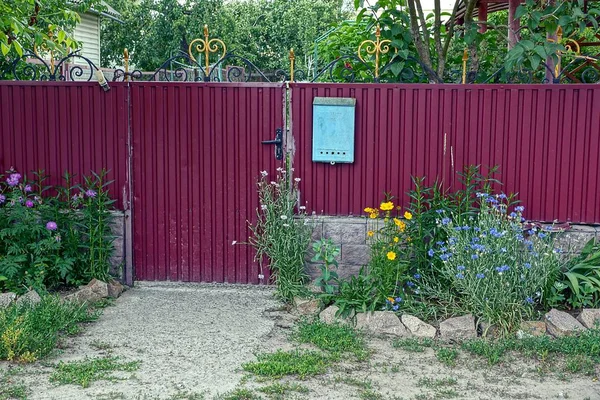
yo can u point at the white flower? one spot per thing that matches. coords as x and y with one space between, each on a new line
273 183
286 225
284 217
261 276
234 242
279 169
297 179
263 206
302 208
292 169
264 173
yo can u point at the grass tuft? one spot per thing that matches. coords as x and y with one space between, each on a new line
335 338
282 363
412 344
85 372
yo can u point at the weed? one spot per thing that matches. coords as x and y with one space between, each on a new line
187 396
89 370
111 396
365 384
9 390
28 332
369 395
100 345
238 394
336 339
580 363
283 388
447 356
281 363
436 383
412 344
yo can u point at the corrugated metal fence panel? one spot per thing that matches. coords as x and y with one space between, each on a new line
58 127
196 157
545 139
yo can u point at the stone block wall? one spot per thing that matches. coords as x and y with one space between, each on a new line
350 234
118 258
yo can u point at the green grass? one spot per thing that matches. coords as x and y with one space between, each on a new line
369 394
29 332
239 394
336 339
447 356
282 363
85 372
436 383
412 344
581 351
283 388
11 390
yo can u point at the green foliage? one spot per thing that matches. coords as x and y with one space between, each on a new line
49 241
238 394
579 282
29 332
336 339
413 345
447 356
45 24
355 294
11 390
282 363
492 266
281 235
582 350
262 31
283 388
326 252
85 372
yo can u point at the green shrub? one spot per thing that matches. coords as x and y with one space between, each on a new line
491 266
280 235
48 241
29 332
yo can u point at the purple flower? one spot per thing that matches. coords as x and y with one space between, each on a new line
13 179
29 204
502 268
460 276
51 226
27 188
460 268
446 221
480 276
90 193
2 198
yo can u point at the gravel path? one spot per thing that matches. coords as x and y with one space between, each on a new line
190 338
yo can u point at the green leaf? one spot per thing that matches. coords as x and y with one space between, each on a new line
527 44
521 10
5 48
18 48
61 36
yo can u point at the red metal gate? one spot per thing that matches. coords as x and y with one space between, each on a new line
197 153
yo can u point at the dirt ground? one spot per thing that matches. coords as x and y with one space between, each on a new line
191 340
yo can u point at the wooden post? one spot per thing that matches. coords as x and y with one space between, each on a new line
483 15
513 23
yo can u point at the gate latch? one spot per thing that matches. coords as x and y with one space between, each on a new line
278 142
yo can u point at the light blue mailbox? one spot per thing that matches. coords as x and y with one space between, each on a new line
333 129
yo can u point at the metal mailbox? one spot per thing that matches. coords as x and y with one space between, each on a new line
333 129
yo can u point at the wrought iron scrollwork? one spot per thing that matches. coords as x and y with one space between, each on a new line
346 69
62 70
243 70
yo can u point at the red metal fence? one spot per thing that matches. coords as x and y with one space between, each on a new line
545 138
65 126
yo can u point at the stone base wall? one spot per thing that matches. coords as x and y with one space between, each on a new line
118 260
350 234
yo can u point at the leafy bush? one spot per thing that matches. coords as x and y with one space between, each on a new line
29 332
48 241
326 251
281 235
492 266
579 282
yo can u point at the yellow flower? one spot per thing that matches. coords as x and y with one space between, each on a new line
407 215
369 210
401 226
387 206
396 239
370 233
391 300
373 215
398 222
391 255
386 219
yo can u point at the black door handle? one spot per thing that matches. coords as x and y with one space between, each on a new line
278 142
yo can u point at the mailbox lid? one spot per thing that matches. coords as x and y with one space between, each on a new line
333 129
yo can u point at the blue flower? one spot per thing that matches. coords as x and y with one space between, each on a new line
395 308
452 240
446 221
520 237
457 228
460 276
443 249
480 276
495 233
398 299
542 235
531 231
466 228
410 284
519 209
475 239
502 268
474 256
439 243
439 211
445 256
513 215
503 250
480 194
417 276
477 229
460 268
502 196
431 252
491 200
529 300
527 265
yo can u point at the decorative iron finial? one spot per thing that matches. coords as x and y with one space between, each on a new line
207 46
292 60
376 47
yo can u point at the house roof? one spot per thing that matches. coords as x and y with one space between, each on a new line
106 11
